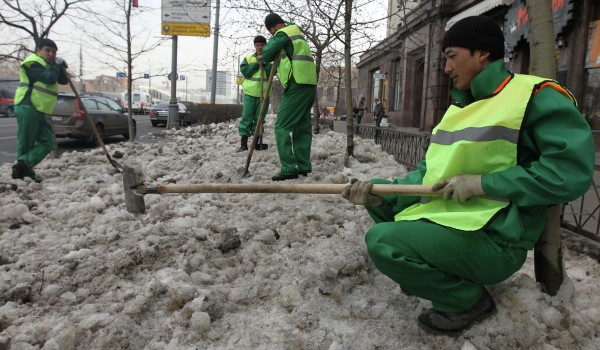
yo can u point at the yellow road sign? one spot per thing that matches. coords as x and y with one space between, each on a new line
186 29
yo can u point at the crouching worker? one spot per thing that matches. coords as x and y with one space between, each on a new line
512 146
35 98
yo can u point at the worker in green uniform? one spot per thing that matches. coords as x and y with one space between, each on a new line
251 70
35 98
297 73
511 146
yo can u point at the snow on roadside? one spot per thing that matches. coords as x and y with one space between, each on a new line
234 271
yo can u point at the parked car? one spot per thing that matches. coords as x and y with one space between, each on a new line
160 113
69 118
8 86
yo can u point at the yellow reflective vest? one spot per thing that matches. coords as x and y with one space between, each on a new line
43 96
480 138
251 85
301 63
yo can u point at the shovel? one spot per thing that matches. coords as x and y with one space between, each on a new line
260 145
135 189
116 165
245 172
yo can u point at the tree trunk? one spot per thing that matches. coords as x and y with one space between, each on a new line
129 72
548 257
348 83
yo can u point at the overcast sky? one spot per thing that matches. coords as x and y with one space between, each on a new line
194 54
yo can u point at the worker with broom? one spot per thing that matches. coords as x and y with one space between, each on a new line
40 73
254 75
512 146
297 73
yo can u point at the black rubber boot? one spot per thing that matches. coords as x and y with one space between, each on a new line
453 323
243 144
19 170
281 177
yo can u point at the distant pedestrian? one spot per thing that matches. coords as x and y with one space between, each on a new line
378 112
35 98
360 110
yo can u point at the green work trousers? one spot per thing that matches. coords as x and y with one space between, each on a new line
293 129
447 266
35 138
250 113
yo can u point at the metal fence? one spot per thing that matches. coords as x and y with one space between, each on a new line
583 215
408 147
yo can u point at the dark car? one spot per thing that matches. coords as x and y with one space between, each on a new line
160 113
69 118
8 86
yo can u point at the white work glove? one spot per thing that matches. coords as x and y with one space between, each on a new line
460 187
359 192
61 62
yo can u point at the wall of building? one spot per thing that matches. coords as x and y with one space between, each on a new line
413 63
414 85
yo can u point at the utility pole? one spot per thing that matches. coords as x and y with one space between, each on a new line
173 110
213 90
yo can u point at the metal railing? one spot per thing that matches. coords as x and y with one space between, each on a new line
582 216
408 147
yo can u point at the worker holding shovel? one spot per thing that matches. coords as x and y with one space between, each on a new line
297 73
40 73
512 146
254 76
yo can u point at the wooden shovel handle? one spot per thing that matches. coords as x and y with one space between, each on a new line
378 189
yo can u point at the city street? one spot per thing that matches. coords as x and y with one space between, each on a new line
8 138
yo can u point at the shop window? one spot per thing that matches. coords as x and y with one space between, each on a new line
375 88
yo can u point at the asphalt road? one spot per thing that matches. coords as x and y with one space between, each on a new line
8 138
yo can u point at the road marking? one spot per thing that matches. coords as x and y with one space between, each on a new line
8 137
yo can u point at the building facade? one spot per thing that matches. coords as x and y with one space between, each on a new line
406 70
224 81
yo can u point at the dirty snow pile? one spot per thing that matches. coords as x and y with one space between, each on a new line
234 271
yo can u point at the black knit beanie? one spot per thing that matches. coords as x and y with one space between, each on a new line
272 20
46 42
476 33
260 39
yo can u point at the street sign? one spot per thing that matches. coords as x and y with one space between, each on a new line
146 76
182 77
378 76
186 17
121 75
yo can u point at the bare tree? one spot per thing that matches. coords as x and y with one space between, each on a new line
549 267
322 23
28 21
120 45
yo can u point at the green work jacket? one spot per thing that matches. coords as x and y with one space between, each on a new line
555 156
296 63
43 95
480 138
251 84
